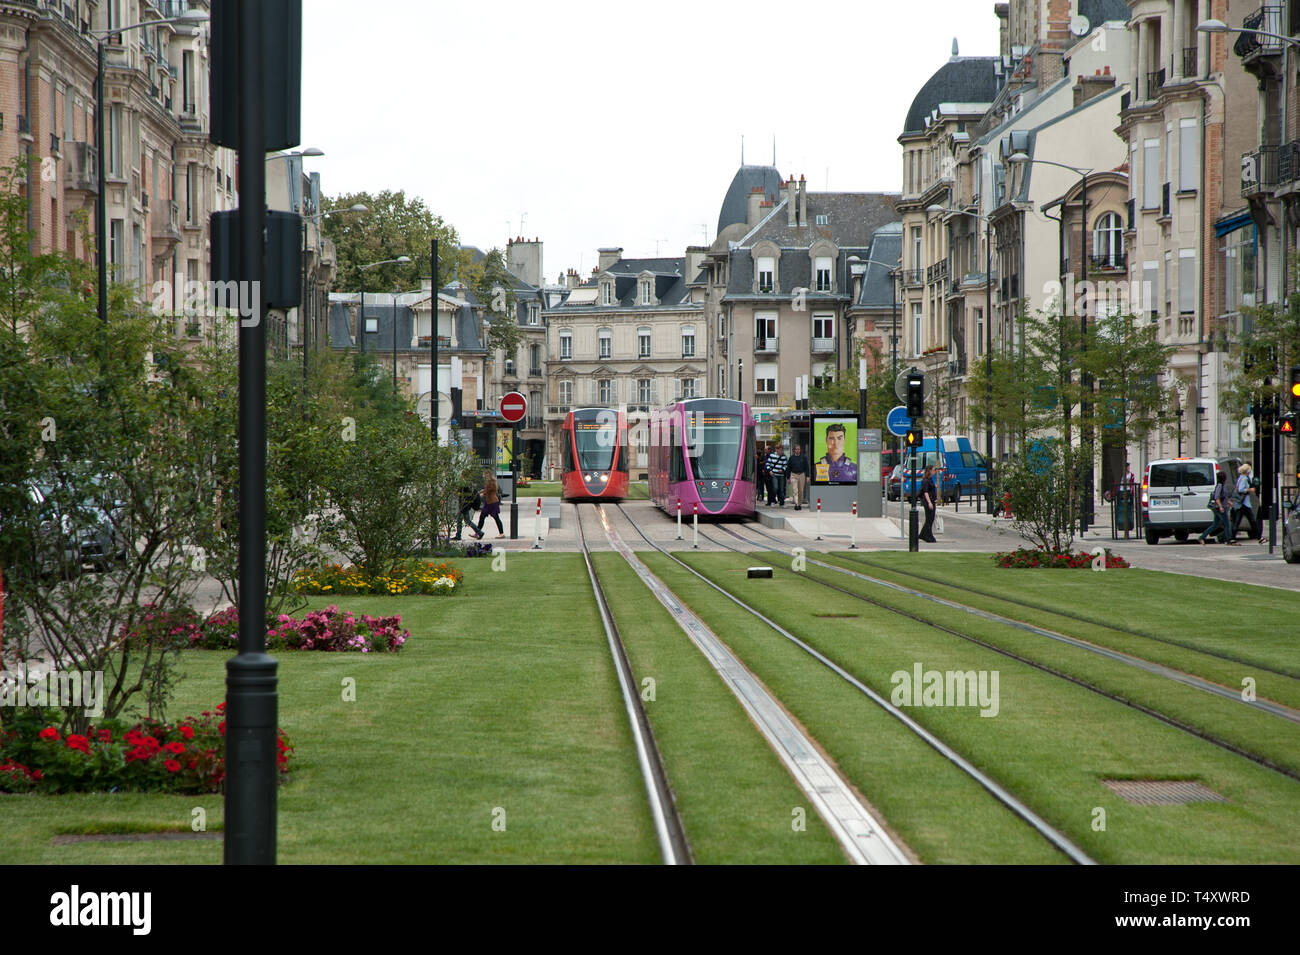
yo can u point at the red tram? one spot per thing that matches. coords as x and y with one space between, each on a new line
594 454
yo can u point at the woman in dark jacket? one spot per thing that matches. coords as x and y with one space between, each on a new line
491 506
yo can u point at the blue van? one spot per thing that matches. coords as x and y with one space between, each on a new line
958 466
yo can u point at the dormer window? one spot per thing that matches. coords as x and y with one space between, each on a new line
823 219
606 293
534 313
766 273
822 270
646 292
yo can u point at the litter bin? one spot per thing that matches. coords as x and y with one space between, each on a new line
1123 508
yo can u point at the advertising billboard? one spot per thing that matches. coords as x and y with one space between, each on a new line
834 443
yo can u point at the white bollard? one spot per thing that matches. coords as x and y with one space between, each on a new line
819 518
695 525
538 521
679 518
854 536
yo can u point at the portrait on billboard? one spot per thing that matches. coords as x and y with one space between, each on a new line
834 442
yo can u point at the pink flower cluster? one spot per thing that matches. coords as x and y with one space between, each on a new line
328 630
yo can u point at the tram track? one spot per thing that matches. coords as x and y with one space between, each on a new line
669 831
1052 835
863 838
1146 710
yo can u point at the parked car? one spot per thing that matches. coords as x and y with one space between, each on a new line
72 536
959 467
1176 497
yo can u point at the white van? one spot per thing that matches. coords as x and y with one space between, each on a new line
1176 497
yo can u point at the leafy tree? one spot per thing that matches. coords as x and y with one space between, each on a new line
494 288
1039 479
1128 362
1258 373
394 226
842 390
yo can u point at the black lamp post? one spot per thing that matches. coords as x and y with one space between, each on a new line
191 18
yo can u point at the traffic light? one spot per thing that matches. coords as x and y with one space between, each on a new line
913 439
1295 389
1288 424
915 395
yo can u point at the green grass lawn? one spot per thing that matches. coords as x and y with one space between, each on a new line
1051 742
503 699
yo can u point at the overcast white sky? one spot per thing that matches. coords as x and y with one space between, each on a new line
602 124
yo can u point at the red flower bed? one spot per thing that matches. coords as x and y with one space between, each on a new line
1024 557
184 757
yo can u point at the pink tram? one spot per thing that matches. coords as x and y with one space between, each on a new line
593 455
702 452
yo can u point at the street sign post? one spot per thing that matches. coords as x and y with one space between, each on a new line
514 407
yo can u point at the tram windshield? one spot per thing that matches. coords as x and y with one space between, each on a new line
713 441
595 439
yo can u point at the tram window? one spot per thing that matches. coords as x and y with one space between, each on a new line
566 445
747 456
624 450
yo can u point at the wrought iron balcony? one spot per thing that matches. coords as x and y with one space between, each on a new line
765 346
1267 18
913 277
1155 82
1105 262
1259 171
533 423
1164 200
1189 62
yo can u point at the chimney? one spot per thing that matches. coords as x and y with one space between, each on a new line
1089 87
426 285
608 256
791 206
803 201
1057 28
572 279
756 196
524 259
1002 12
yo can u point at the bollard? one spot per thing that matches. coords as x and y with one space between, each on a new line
695 525
537 521
679 518
853 537
819 518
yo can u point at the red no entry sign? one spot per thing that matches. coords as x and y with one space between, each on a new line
513 407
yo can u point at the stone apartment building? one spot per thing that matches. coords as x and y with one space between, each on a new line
630 335
778 283
163 177
1050 95
1188 115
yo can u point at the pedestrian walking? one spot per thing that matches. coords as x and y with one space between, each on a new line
1220 505
797 467
1244 505
929 496
469 503
491 506
776 465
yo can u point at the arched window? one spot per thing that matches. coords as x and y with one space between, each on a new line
1108 242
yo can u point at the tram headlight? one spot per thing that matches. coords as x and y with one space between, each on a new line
604 477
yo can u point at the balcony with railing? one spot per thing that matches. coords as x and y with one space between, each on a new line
81 173
533 423
913 277
1155 83
1251 46
823 346
765 346
1288 162
1131 208
1189 62
1108 262
957 366
164 218
1164 201
1259 171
